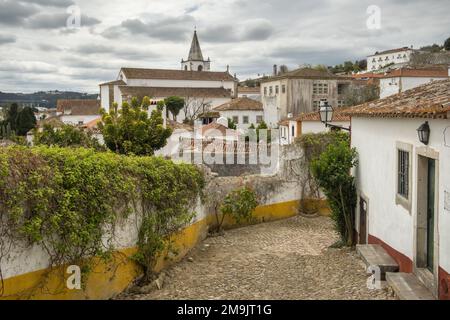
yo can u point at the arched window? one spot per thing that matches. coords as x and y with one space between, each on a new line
200 68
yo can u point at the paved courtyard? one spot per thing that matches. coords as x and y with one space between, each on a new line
288 259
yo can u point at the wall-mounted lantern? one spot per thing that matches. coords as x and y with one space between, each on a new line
326 113
424 133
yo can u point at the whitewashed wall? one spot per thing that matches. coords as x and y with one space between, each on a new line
241 113
375 141
75 120
390 86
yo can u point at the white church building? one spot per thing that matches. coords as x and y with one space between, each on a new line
201 88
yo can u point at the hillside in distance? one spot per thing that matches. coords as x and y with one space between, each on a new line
45 99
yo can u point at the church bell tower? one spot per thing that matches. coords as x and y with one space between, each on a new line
195 61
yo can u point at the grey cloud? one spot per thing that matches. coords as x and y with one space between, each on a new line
122 52
52 3
253 30
166 28
48 47
57 21
7 39
15 13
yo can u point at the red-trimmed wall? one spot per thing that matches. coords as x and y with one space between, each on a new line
444 285
405 263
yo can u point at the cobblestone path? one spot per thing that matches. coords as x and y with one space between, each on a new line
288 259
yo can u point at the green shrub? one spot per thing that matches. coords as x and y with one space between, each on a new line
66 136
68 201
332 171
239 204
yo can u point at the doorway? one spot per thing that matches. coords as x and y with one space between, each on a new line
431 180
426 258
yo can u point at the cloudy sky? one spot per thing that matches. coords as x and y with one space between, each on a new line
38 51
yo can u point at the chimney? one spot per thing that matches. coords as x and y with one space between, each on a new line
228 68
275 69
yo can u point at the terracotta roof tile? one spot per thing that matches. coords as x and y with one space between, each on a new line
392 51
431 100
307 73
256 90
409 72
78 107
314 116
243 104
163 92
134 73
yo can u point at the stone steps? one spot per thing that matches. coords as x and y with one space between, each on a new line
407 287
374 255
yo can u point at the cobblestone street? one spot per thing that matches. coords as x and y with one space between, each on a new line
288 259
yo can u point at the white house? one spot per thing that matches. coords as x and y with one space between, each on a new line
243 111
399 80
379 60
290 129
202 89
403 183
77 112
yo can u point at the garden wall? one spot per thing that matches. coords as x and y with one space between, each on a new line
25 269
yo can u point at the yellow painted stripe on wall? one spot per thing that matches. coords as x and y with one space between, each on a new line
109 279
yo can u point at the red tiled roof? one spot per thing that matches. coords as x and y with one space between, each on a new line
78 107
407 72
249 90
391 51
314 116
135 73
431 100
241 104
307 73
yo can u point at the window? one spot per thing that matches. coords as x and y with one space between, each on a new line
270 90
316 105
293 131
403 173
342 87
277 89
259 119
236 119
245 120
283 88
265 91
320 88
80 123
341 103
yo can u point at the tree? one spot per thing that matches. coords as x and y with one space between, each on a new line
174 105
25 121
66 136
447 44
11 116
231 124
332 171
131 130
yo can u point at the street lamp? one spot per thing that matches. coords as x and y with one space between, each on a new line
326 113
424 133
